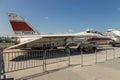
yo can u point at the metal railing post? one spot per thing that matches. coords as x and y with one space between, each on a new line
113 53
44 61
2 67
44 52
118 54
81 58
69 57
67 51
106 53
95 56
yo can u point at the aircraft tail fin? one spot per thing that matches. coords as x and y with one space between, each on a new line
20 26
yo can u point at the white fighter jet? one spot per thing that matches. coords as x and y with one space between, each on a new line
115 36
29 38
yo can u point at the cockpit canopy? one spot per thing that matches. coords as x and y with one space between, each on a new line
92 31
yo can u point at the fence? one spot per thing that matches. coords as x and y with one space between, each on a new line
20 60
55 56
99 55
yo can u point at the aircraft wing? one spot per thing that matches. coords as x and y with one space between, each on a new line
40 37
25 42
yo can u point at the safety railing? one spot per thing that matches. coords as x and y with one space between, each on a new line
99 55
21 60
55 56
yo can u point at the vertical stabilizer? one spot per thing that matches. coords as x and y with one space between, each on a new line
20 26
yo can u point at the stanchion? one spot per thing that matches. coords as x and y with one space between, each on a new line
81 58
119 53
68 52
113 53
95 56
106 53
44 62
43 55
2 68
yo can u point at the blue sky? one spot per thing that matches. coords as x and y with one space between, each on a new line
59 16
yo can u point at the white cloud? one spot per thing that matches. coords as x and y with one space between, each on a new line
58 33
70 30
118 9
45 17
66 32
43 33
